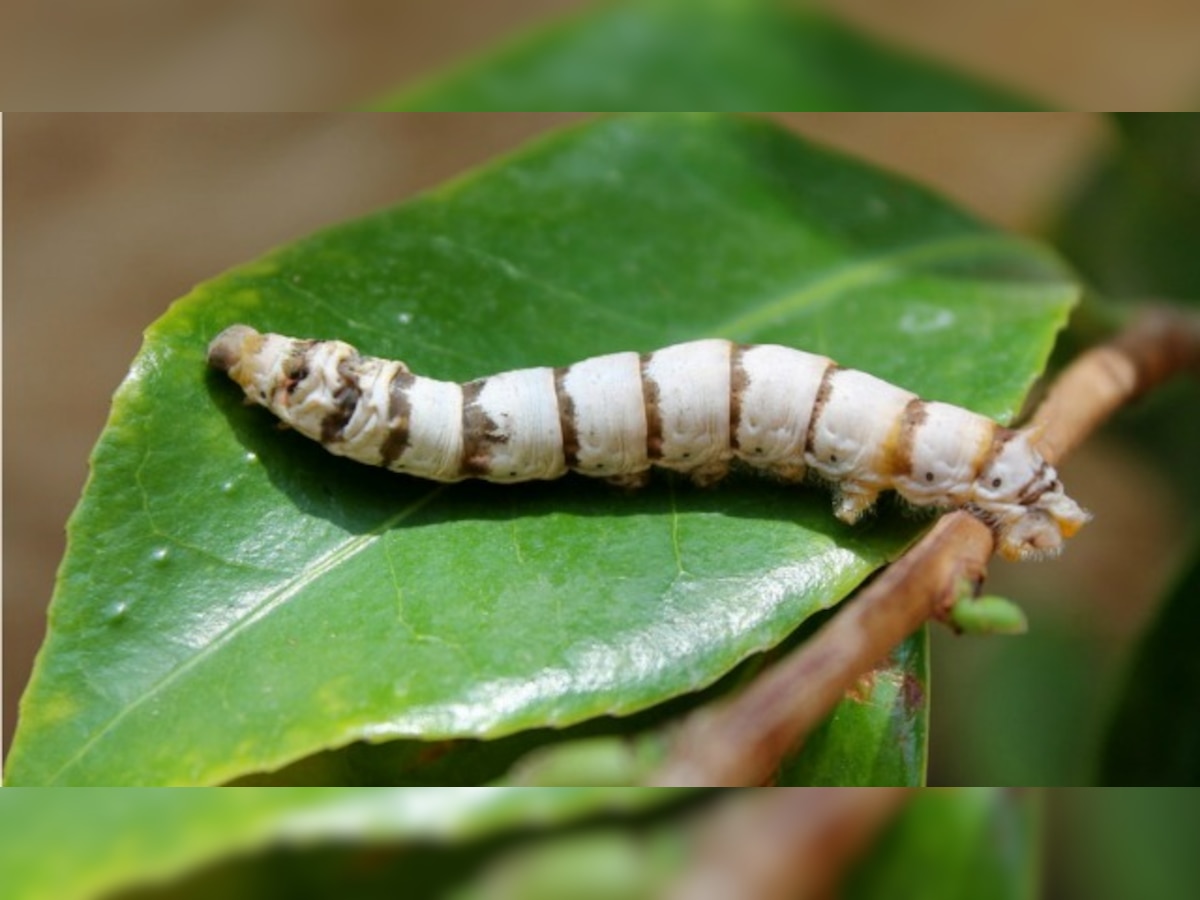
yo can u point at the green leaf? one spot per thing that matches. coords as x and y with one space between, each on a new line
233 598
877 735
1154 737
698 54
963 844
62 844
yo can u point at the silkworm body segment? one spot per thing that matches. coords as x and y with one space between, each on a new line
693 408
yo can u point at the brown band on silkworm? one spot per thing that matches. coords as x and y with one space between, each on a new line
654 421
1000 437
479 432
822 399
900 458
345 400
739 381
399 417
567 419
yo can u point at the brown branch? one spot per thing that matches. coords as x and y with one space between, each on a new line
1161 343
787 844
741 741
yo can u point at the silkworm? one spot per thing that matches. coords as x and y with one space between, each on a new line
692 408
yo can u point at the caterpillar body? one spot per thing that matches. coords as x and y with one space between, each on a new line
693 408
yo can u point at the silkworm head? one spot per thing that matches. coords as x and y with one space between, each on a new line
1021 493
233 345
249 358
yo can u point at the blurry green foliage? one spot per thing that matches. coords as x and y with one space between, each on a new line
965 844
1019 711
61 844
1133 226
1154 737
1117 844
445 844
1132 230
743 55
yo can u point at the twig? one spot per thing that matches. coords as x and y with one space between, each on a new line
787 844
1161 343
741 741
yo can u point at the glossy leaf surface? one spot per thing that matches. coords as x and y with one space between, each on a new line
234 598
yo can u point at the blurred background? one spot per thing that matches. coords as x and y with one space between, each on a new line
221 55
605 844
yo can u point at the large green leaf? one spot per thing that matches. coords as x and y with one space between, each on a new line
698 54
63 844
233 598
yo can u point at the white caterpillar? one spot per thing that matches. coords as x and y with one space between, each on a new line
692 408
